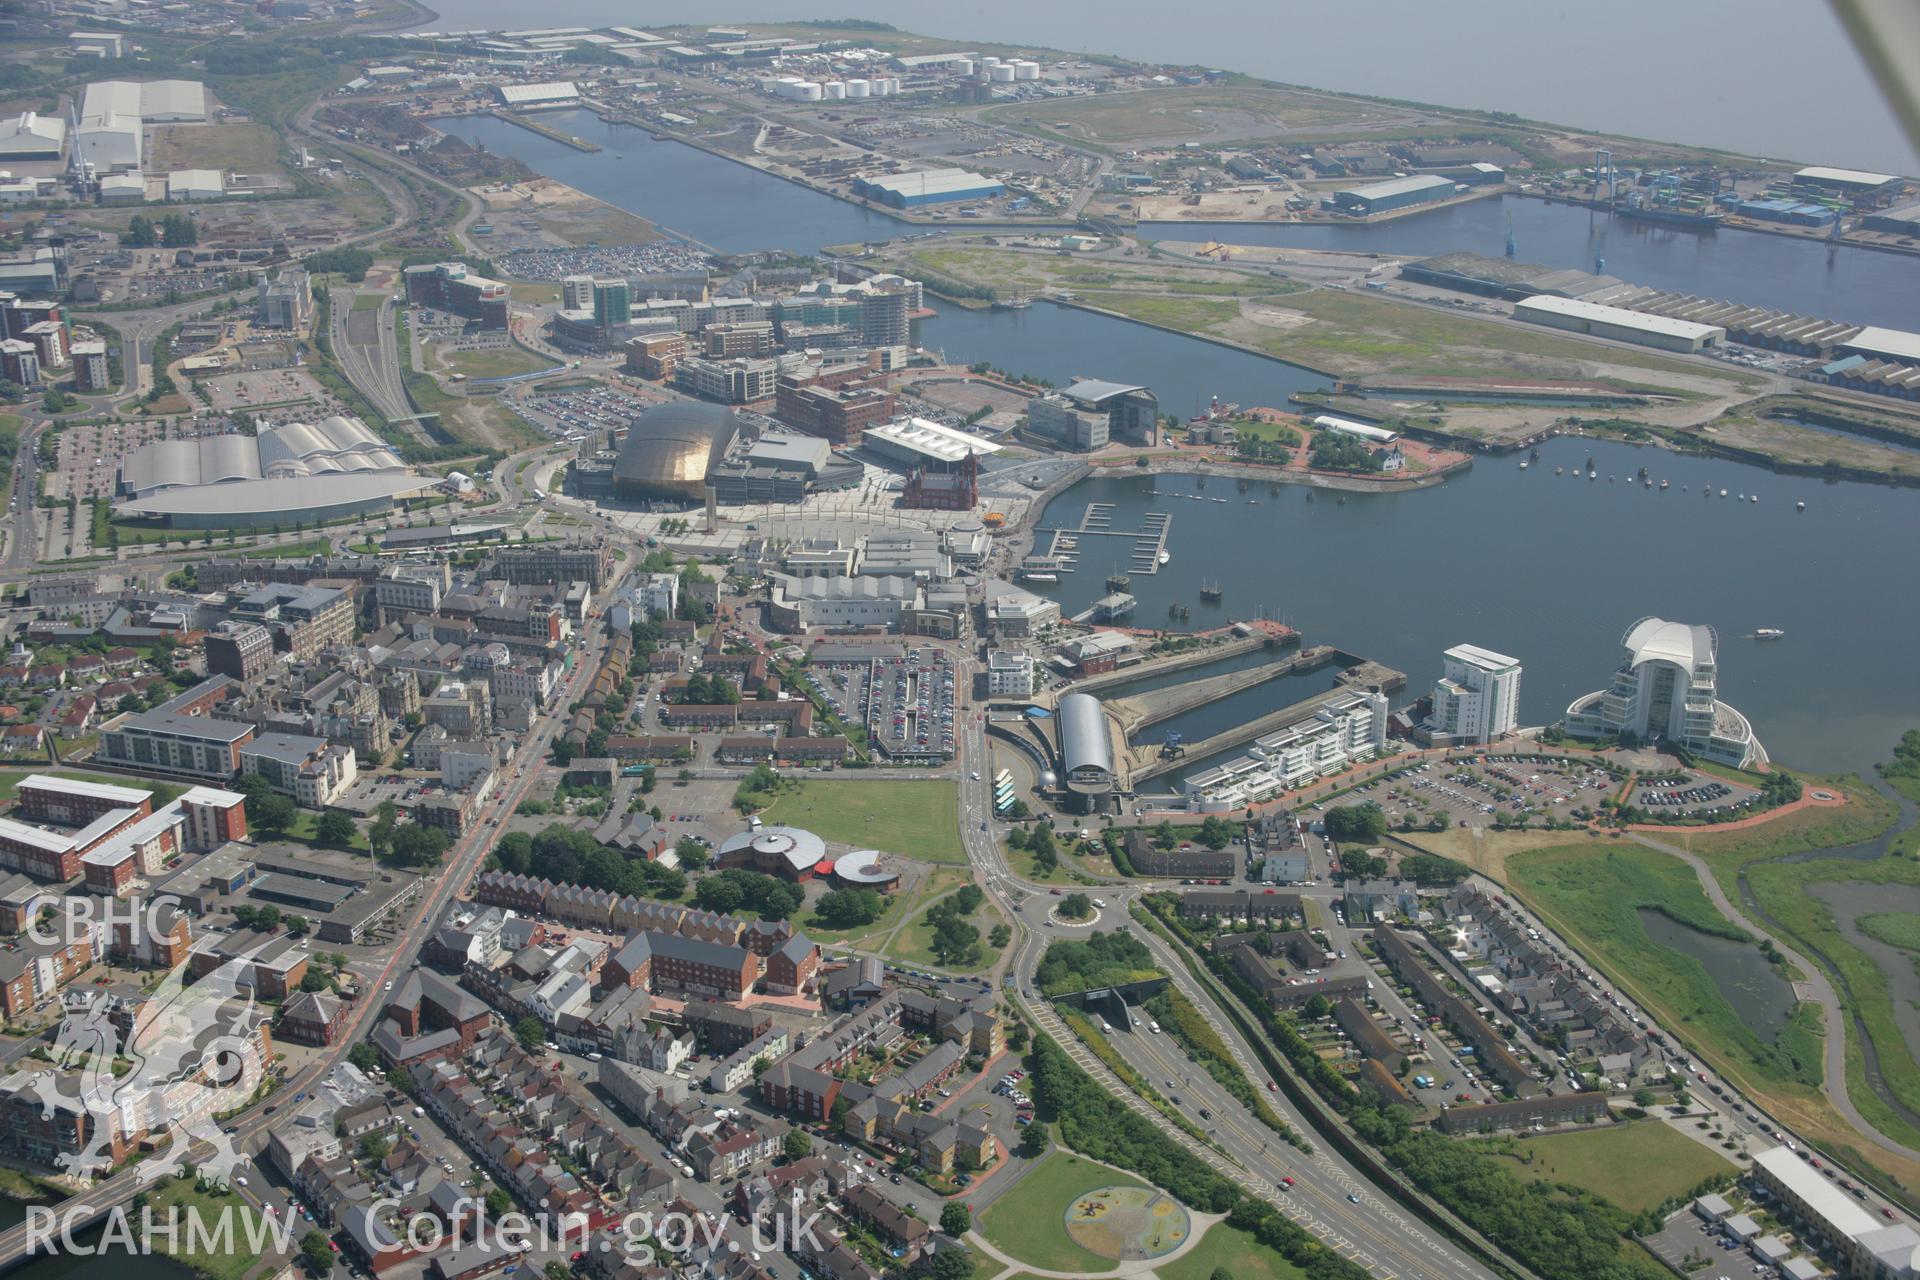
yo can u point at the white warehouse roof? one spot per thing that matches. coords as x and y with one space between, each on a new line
30 132
1896 344
931 440
1399 186
1620 316
1851 177
552 91
926 182
159 100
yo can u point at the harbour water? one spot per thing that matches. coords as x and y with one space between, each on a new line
1553 570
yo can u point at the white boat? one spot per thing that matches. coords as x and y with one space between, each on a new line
1723 493
1038 575
1799 506
1663 484
1558 470
1768 633
1753 497
1165 556
1523 466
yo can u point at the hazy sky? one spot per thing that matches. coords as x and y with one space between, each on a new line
1769 77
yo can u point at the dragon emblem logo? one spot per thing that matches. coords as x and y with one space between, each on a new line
167 1066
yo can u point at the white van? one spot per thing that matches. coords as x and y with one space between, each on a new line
1153 1026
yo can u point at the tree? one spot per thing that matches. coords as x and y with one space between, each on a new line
1046 856
315 981
955 1262
1076 906
316 1252
529 1033
1356 823
1221 1273
848 908
364 1056
955 1220
380 834
297 926
1317 1007
273 814
1000 937
1164 836
557 1270
374 1146
1644 1097
1033 1144
415 845
796 1145
1216 832
497 1202
334 829
139 234
690 854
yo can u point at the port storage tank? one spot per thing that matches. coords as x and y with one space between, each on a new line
807 91
1026 71
966 66
858 88
1001 73
833 91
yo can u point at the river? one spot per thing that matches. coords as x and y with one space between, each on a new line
1553 570
116 1265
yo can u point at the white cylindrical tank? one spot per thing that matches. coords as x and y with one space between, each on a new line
858 88
833 90
991 60
808 91
882 86
1001 72
966 66
1026 71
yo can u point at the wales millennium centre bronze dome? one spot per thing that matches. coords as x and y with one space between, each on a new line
669 449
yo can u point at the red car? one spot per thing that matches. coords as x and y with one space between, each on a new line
1286 1182
1272 1087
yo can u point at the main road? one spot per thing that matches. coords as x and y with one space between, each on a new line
1328 1196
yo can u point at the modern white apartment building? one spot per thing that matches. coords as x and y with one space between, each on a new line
1477 697
1009 674
1348 729
1664 690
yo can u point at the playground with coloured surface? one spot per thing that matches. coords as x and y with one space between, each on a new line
1127 1224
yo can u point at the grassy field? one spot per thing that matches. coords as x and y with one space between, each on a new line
368 301
1346 334
1489 852
1006 269
1896 930
914 944
1030 1223
1192 112
1635 1165
499 362
1224 1247
246 148
916 819
1592 897
228 1263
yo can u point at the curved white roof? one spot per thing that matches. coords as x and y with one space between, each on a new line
333 445
1657 640
865 866
1084 741
801 849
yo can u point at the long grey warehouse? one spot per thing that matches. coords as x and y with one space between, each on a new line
1619 324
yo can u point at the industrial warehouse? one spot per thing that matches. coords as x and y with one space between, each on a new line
1621 325
926 187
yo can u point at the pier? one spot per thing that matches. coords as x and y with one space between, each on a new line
1148 543
534 126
